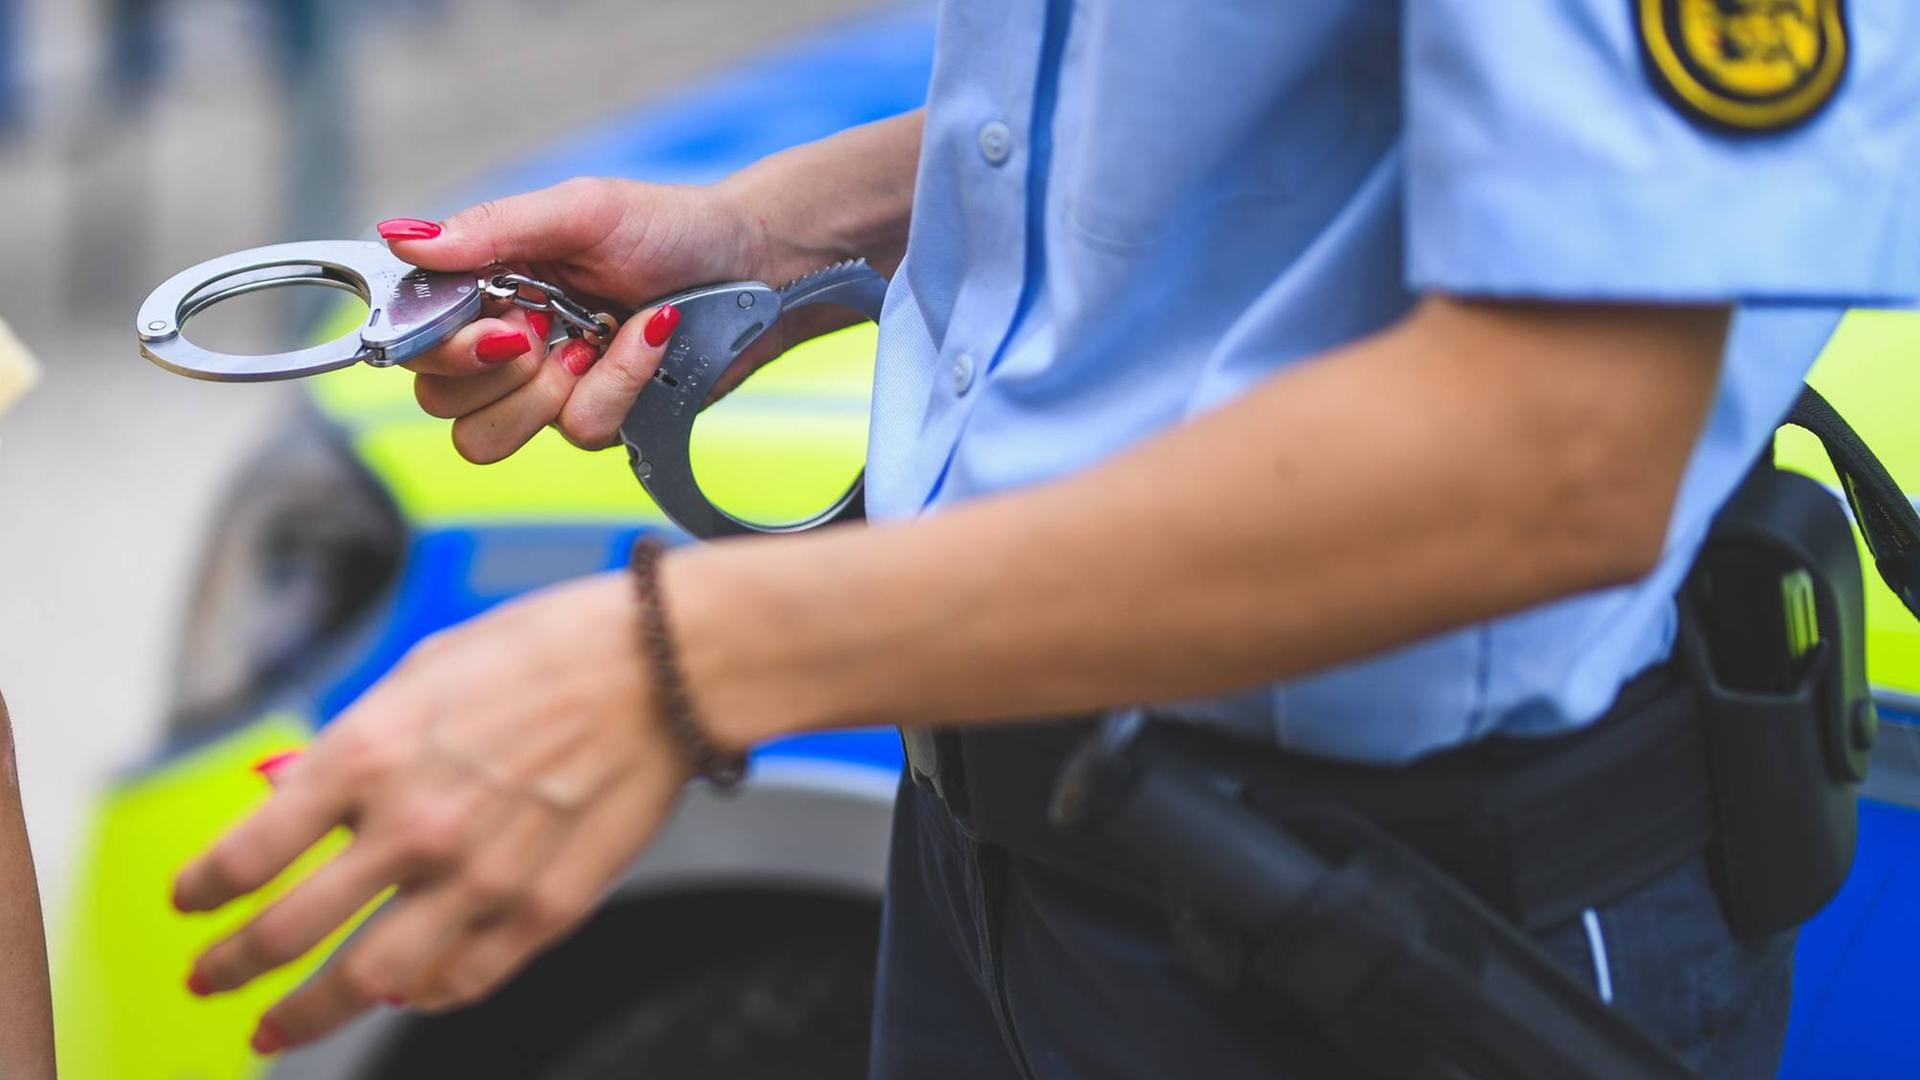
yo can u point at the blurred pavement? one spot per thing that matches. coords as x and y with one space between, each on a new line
109 471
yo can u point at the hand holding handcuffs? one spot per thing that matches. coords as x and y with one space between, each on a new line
410 310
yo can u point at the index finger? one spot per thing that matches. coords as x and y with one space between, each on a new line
552 223
254 852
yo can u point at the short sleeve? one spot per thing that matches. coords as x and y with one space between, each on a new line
1548 157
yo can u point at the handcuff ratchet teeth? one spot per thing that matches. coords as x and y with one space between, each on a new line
410 310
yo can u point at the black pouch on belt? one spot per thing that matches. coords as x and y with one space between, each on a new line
1773 624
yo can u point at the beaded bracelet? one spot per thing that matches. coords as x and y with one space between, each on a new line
671 700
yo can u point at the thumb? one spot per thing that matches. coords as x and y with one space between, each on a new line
552 223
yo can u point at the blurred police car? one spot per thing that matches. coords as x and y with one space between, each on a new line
357 531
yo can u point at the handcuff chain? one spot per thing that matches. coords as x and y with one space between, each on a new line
580 321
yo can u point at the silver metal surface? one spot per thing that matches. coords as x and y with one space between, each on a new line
509 286
717 323
408 310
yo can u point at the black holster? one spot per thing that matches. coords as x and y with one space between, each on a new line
1774 628
1774 631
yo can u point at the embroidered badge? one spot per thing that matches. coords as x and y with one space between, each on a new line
1744 65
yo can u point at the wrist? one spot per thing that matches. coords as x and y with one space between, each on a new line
698 623
847 196
743 654
675 710
772 246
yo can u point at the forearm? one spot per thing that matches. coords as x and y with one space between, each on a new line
26 1019
1342 508
843 197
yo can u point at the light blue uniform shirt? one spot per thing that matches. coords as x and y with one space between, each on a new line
1131 211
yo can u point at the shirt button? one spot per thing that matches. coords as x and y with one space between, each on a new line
962 373
996 142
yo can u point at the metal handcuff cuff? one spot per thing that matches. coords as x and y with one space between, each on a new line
410 310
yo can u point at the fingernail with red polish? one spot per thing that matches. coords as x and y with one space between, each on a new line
408 228
500 346
267 1039
660 327
541 322
577 356
273 763
199 985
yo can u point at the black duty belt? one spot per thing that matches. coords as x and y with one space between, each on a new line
1538 828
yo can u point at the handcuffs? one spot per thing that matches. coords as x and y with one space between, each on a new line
410 310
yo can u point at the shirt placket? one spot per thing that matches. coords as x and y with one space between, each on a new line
992 192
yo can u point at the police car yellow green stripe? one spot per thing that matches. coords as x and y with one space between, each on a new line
122 1008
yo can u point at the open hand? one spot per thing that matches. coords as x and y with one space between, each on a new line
498 779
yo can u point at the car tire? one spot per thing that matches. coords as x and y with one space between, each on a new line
745 987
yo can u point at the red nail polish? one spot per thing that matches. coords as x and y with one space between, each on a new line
660 327
398 1002
541 322
273 763
198 985
501 346
408 228
577 356
267 1039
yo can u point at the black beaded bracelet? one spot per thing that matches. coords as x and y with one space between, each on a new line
675 706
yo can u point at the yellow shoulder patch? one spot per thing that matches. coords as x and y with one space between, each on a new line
1745 65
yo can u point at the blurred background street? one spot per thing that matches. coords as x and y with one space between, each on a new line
219 125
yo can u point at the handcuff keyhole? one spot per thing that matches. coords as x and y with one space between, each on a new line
746 338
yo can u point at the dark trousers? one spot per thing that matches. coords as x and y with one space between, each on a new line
994 966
